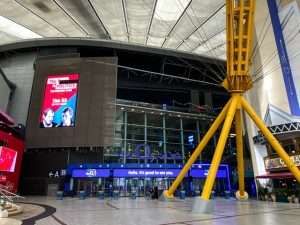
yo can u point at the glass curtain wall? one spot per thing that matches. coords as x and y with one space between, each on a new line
152 137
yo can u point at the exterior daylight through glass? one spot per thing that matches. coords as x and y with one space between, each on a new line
59 104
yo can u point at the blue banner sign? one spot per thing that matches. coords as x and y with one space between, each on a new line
91 173
146 172
201 171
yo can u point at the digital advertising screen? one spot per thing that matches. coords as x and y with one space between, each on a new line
59 103
8 158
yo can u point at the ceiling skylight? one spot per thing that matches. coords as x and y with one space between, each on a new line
14 29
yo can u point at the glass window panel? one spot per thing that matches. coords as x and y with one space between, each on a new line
174 153
155 134
154 120
172 122
189 124
173 136
135 132
135 118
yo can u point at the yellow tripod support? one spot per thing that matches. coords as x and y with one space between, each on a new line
239 20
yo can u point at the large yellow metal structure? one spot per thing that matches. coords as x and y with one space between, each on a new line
239 22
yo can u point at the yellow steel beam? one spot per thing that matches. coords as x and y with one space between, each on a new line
209 182
218 121
271 139
239 147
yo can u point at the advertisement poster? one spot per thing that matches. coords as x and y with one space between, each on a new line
59 104
8 158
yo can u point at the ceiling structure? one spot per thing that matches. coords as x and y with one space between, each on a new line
192 26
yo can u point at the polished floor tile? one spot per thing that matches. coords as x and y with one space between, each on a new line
92 211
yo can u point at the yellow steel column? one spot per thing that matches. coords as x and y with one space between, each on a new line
169 193
239 151
209 182
272 140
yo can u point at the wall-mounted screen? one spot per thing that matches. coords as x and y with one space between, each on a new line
59 103
8 158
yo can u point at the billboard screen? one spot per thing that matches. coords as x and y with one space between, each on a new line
8 158
59 103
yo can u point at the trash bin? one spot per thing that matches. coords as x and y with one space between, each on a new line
59 195
116 195
101 194
81 195
182 194
133 195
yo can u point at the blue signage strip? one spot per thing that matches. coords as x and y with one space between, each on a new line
201 173
90 173
146 172
284 60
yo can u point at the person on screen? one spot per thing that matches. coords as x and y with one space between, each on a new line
47 118
67 117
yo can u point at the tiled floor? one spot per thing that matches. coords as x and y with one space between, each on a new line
92 211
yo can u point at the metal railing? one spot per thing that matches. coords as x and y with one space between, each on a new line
7 196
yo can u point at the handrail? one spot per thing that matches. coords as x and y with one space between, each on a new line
7 195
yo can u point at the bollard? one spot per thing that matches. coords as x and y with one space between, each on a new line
182 194
115 195
81 195
59 195
227 194
133 195
101 194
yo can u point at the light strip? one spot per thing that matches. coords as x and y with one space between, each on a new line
14 29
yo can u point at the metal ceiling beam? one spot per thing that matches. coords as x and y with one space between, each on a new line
202 24
102 24
179 18
150 23
125 17
90 42
31 11
217 46
207 40
71 17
